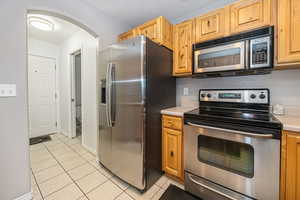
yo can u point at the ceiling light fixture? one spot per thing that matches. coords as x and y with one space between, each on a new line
41 23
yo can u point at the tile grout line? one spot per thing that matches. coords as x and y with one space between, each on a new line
37 185
108 179
87 162
68 174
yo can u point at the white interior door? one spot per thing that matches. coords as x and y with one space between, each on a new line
41 96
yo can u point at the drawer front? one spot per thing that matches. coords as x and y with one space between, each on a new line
172 122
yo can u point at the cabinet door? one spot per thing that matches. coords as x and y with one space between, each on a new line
212 25
292 167
288 31
182 54
249 14
127 35
172 141
167 33
151 29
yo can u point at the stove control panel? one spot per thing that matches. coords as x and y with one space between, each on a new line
255 96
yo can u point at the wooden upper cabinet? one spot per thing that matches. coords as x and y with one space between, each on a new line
182 54
158 30
250 14
127 35
212 25
290 188
288 31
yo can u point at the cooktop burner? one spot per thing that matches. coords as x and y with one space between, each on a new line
243 110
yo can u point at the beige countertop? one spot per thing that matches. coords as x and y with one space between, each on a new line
177 111
290 123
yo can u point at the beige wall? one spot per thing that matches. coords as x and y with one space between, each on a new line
14 156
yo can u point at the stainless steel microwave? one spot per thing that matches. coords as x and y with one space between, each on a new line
247 52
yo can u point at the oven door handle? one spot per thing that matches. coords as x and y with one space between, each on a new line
233 131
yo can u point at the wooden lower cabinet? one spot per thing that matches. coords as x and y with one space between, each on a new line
290 166
172 148
172 151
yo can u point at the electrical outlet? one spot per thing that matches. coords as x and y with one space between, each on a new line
8 90
185 91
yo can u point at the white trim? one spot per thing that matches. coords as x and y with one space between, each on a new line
27 196
89 149
72 84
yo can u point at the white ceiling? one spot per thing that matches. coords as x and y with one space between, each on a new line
62 30
135 12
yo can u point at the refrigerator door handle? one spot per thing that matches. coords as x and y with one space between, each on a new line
108 95
112 94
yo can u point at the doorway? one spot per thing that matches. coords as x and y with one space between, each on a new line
76 94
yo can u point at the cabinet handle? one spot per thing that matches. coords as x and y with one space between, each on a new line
172 153
208 23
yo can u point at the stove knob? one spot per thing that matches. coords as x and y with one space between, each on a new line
203 95
252 96
208 95
262 96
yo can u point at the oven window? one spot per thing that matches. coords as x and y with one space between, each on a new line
228 155
226 57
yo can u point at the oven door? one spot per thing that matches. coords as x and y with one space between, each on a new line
243 162
220 58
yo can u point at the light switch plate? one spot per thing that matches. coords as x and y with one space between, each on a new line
8 90
185 91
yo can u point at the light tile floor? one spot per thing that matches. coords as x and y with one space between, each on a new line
62 169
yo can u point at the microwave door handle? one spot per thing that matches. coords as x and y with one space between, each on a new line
232 131
248 56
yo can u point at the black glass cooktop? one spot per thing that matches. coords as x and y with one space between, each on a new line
233 114
250 120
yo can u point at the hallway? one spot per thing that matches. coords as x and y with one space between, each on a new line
63 170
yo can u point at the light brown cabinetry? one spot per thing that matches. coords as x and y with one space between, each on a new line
288 31
212 25
127 35
158 30
172 146
250 14
290 162
182 51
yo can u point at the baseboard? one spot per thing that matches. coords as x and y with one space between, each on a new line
27 196
89 149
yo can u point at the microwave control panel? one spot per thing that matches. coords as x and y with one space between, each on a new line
260 52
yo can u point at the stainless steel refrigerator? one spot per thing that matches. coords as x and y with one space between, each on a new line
136 83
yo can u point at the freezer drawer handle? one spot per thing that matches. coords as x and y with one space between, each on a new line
226 193
232 131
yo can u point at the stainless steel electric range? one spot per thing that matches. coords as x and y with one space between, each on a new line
232 146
